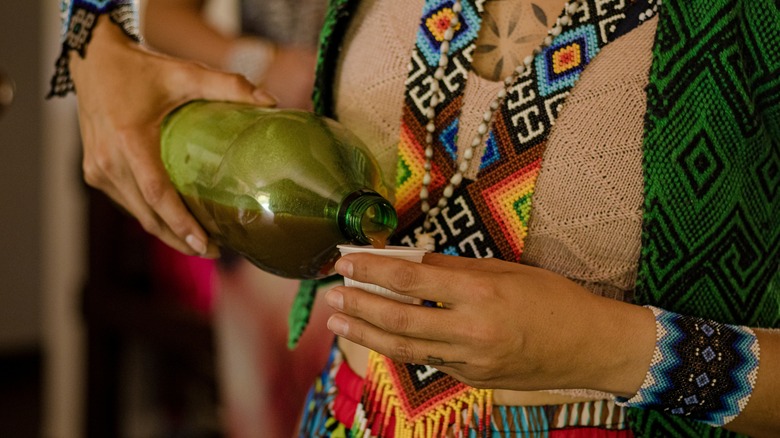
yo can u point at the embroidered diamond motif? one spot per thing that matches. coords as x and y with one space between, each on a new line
509 204
432 34
702 380
678 411
449 138
522 207
438 23
491 154
450 250
769 176
403 172
707 330
559 65
708 354
702 165
409 174
422 387
566 58
691 400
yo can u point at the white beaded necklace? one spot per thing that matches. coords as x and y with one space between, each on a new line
425 239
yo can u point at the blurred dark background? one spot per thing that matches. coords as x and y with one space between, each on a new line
21 203
89 346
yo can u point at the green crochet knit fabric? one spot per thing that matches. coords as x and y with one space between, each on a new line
711 237
330 38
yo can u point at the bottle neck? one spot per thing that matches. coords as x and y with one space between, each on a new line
366 218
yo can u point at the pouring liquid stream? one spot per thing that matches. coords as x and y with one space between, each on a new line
376 231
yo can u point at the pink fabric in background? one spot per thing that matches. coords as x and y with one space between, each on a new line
188 279
262 384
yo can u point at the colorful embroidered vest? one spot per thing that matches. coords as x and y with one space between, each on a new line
711 231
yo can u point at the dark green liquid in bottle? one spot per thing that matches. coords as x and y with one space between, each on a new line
280 187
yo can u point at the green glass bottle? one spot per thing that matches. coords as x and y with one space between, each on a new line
280 187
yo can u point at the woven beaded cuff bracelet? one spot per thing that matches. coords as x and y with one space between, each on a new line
79 18
701 369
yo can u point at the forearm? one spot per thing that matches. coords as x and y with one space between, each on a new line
106 55
611 345
624 357
179 28
517 327
617 342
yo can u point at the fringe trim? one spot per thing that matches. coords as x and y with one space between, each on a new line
381 404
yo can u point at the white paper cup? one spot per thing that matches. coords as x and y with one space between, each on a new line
398 252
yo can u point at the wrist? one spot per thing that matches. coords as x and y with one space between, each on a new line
618 348
104 40
700 369
82 21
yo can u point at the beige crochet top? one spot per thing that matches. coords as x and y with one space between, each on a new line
586 221
587 204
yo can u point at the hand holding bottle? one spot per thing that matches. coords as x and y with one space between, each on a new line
281 187
124 91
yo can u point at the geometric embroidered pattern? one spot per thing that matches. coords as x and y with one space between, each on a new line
329 410
516 140
436 18
487 217
711 226
510 202
700 369
79 19
711 156
491 154
562 63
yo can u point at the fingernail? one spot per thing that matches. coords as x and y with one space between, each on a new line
263 97
344 267
338 325
212 252
196 244
335 300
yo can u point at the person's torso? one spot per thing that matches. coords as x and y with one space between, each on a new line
587 204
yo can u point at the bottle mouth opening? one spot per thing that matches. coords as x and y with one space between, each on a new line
368 218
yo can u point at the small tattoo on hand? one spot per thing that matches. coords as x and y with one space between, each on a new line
438 361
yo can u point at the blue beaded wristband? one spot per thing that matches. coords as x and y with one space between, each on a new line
79 18
700 369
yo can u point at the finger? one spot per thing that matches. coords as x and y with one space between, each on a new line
468 263
154 225
395 317
399 348
417 280
105 168
99 165
155 198
210 84
135 204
